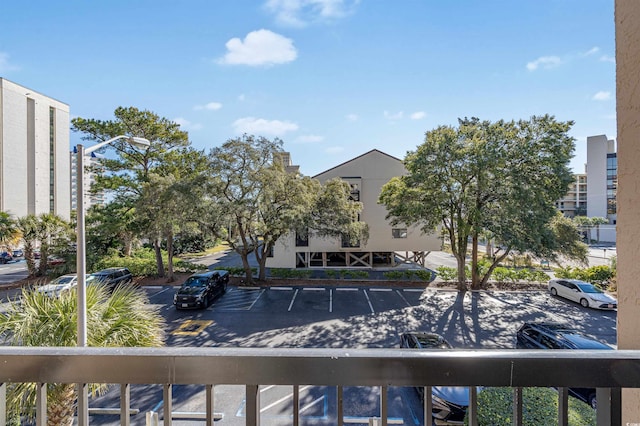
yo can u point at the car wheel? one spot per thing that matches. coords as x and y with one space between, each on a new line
584 303
553 291
592 401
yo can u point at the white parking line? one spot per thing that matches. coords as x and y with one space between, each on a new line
314 288
281 288
348 289
414 289
292 300
369 301
380 289
284 398
402 297
254 302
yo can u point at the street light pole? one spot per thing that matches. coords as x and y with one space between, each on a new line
81 260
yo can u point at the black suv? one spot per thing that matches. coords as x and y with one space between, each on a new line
199 290
113 277
558 336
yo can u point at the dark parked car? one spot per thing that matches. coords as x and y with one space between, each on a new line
557 336
5 257
199 290
113 277
449 402
18 253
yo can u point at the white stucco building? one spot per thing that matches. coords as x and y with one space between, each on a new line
366 174
93 168
34 152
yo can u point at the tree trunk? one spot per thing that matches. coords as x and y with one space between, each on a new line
158 251
61 406
475 284
170 277
248 273
493 266
44 254
261 257
28 257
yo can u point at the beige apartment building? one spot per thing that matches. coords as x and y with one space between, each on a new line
366 174
34 152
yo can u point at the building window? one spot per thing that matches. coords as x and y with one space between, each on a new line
52 159
346 243
355 192
399 232
302 240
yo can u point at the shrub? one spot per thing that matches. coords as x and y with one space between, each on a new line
424 274
355 274
393 275
501 274
599 275
143 262
236 271
289 273
447 273
539 407
332 274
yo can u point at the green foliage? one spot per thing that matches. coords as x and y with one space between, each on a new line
601 275
290 273
333 274
501 274
143 263
355 274
446 273
424 275
393 275
236 271
539 407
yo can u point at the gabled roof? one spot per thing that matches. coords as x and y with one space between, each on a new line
355 158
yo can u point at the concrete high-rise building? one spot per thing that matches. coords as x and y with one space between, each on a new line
34 152
92 168
602 175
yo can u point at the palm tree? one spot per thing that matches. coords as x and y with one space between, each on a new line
51 229
8 230
28 228
124 319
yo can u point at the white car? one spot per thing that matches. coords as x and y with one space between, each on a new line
582 292
61 284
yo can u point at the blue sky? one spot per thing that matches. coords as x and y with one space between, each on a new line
332 78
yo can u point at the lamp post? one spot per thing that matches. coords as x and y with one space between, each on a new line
81 261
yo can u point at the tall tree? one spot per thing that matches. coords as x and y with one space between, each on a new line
258 201
127 173
124 318
52 232
28 228
501 178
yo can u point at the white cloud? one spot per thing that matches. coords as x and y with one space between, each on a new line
545 62
607 58
241 97
260 126
309 139
300 13
186 124
5 65
212 106
334 150
418 115
352 117
393 116
262 47
592 51
602 96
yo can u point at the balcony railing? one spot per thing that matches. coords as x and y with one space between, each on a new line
607 371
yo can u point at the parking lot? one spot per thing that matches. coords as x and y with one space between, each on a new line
342 317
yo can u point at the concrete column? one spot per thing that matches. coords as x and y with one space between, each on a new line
627 20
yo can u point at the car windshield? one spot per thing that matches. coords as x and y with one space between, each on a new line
433 342
63 280
589 288
195 282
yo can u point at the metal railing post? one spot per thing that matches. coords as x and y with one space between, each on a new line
125 404
167 400
41 404
563 406
296 405
3 403
252 398
517 407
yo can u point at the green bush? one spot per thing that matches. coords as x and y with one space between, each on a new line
332 273
393 275
236 271
355 274
447 273
424 275
289 273
539 407
142 262
501 274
